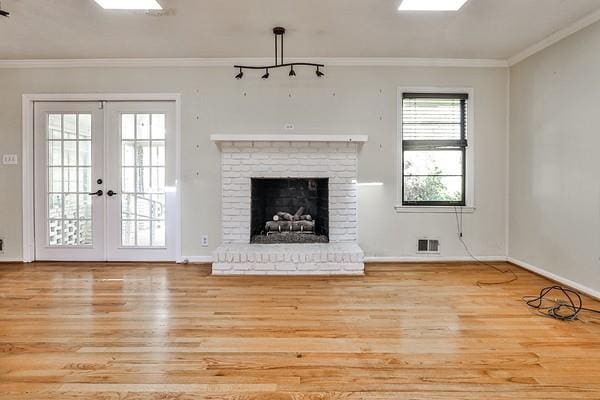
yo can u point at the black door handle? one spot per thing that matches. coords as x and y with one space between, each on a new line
110 193
98 193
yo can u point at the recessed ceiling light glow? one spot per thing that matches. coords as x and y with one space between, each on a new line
431 5
129 4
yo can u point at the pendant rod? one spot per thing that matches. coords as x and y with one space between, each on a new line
275 49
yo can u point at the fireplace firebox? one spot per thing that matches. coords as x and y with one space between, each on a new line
289 210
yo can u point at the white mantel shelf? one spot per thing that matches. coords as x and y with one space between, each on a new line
288 138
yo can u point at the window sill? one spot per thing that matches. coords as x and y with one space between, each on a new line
434 209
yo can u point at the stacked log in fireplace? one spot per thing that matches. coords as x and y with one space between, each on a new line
286 222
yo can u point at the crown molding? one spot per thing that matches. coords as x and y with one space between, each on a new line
229 62
555 38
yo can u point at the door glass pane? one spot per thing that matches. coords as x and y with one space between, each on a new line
70 152
128 233
143 148
158 126
85 126
157 153
54 152
55 232
85 179
70 126
85 232
128 180
127 206
85 152
70 232
128 126
85 206
55 206
142 153
55 126
158 233
143 206
55 179
70 179
142 126
158 206
143 233
70 206
69 172
128 153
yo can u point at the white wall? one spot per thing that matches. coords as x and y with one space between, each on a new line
554 159
349 100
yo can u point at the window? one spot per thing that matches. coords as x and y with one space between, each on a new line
434 143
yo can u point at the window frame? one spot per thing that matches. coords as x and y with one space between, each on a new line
467 202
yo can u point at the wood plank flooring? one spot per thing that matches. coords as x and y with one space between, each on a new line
403 331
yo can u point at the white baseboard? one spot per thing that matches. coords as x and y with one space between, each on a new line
195 259
11 260
432 259
422 259
557 278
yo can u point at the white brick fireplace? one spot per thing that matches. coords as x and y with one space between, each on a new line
245 157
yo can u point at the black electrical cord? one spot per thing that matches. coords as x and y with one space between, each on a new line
459 229
560 309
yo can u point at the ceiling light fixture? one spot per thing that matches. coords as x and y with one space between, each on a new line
431 5
4 13
279 63
129 4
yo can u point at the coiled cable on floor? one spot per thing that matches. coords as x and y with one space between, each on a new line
562 309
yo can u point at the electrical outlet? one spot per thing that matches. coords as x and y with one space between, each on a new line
9 159
205 241
289 127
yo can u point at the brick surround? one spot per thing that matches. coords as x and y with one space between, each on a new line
243 160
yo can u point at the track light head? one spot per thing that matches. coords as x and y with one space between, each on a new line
240 75
319 73
266 75
292 72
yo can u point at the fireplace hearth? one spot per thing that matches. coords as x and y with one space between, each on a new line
289 210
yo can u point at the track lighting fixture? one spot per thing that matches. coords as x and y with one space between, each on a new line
278 32
4 13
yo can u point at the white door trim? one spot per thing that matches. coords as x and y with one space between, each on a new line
28 101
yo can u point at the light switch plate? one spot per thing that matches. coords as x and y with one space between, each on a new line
9 159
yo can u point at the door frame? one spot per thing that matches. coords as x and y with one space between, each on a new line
27 157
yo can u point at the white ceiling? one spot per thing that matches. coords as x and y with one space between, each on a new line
316 28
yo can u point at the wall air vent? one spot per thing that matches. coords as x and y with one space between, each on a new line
428 246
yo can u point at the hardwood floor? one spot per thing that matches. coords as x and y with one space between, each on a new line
411 331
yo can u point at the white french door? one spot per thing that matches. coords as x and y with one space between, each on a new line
141 160
104 181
